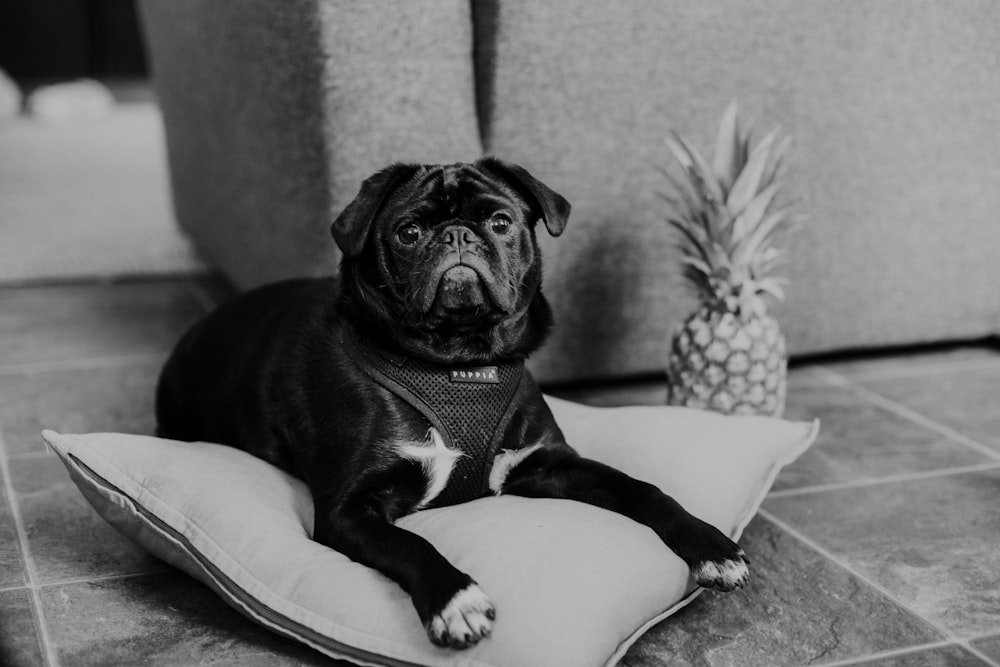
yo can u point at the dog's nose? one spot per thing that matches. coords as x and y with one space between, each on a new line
458 237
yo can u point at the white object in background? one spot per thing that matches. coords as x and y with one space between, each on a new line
72 102
10 98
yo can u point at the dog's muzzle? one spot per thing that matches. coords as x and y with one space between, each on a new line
461 288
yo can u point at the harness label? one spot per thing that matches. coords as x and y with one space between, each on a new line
479 375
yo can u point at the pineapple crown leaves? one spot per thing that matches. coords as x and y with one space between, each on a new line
726 214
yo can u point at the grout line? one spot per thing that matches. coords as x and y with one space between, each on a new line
888 479
105 577
48 650
827 554
7 589
890 653
967 645
911 650
28 456
839 380
83 364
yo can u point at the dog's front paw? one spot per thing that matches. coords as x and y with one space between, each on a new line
715 560
725 574
464 620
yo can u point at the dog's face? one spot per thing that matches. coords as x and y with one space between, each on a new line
446 257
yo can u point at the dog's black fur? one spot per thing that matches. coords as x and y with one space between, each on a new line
439 263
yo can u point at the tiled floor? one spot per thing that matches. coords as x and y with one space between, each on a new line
881 545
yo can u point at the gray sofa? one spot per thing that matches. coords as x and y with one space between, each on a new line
275 112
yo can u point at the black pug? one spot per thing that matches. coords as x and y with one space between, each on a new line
401 385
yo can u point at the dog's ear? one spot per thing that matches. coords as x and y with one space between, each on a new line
553 206
351 228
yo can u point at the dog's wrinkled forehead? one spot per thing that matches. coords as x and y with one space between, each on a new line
457 191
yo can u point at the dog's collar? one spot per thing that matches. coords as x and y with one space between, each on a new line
469 405
460 373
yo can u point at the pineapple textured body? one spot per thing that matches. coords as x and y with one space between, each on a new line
721 362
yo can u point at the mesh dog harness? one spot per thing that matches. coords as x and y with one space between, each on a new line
469 406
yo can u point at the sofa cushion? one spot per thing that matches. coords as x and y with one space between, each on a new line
892 108
276 111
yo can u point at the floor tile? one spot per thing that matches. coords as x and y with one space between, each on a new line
19 642
167 619
964 401
799 608
990 646
67 539
933 543
942 656
860 441
117 399
12 571
73 322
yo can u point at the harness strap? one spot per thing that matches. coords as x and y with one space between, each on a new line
469 406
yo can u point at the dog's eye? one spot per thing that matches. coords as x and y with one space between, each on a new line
500 223
408 234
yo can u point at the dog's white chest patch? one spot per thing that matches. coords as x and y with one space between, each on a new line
437 461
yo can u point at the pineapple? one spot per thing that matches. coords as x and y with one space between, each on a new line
729 355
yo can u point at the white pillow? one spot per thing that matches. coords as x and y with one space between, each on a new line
573 584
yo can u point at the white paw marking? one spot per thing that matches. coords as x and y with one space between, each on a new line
467 618
506 461
436 460
724 576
